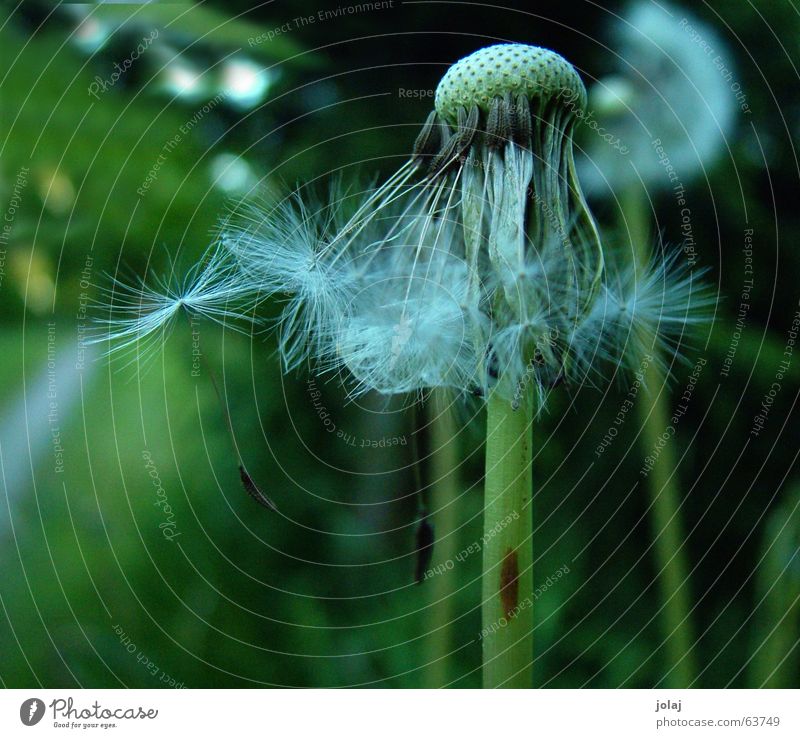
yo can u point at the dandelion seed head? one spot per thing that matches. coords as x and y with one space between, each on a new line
477 265
506 69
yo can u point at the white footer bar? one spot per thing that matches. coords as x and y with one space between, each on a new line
402 713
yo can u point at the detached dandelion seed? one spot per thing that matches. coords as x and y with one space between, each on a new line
142 315
136 318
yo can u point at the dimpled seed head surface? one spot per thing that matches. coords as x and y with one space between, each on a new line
491 72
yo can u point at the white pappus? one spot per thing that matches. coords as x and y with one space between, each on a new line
476 266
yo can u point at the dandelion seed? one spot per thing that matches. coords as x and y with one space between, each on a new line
140 315
642 313
254 490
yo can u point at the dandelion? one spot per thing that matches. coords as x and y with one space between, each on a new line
479 251
477 266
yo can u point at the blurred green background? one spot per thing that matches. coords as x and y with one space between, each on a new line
102 585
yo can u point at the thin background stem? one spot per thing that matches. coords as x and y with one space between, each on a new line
662 483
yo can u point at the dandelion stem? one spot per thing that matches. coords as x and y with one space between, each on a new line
774 659
666 522
507 595
445 460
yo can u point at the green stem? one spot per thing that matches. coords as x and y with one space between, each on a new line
507 592
662 485
777 622
445 459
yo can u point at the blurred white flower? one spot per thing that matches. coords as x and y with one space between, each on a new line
181 78
244 83
90 34
232 174
673 84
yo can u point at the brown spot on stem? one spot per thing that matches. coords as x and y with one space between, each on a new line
509 582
